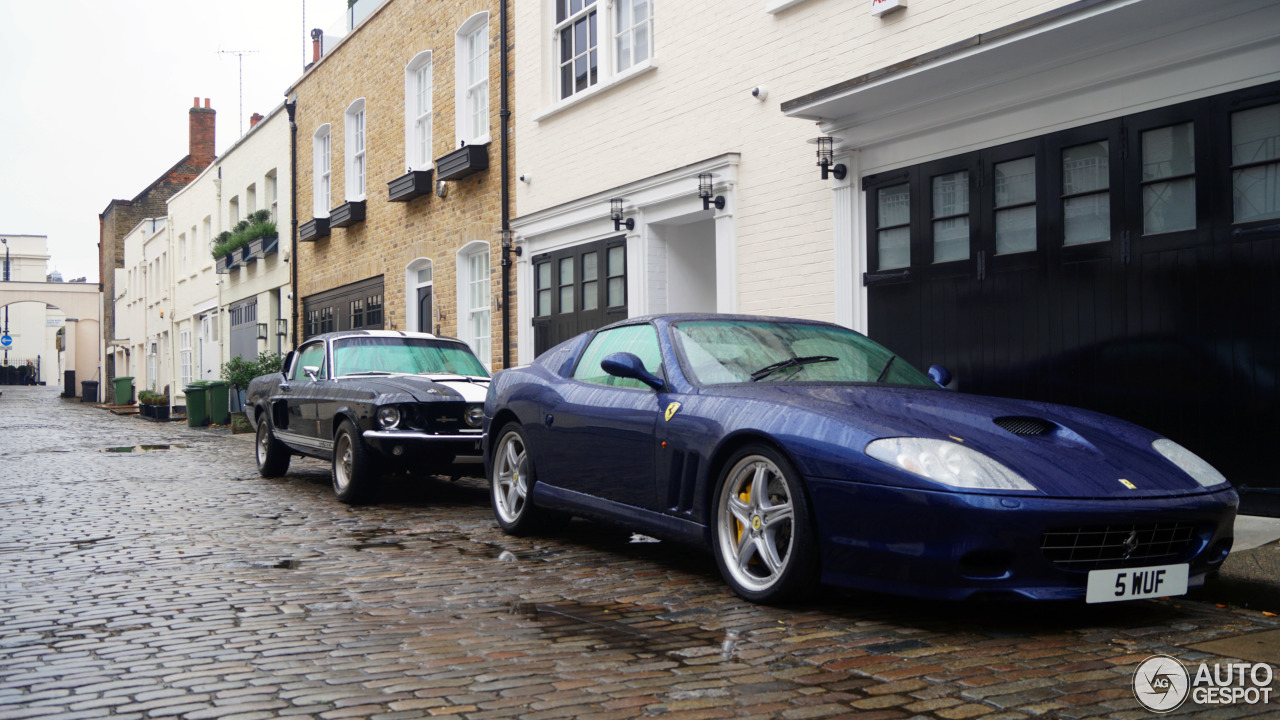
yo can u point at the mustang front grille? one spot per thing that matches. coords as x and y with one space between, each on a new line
1112 546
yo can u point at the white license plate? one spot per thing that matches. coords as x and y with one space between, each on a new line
1136 583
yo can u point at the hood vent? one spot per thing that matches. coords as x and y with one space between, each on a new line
1026 425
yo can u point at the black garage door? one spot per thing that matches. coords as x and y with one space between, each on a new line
1131 266
350 307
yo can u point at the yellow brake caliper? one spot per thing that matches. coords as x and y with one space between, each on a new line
745 497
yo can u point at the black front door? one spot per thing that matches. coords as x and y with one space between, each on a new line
578 289
424 309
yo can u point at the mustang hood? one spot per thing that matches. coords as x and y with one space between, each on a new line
1063 451
430 388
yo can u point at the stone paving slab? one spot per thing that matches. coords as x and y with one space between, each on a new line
172 581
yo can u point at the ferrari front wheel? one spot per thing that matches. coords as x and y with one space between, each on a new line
510 483
764 540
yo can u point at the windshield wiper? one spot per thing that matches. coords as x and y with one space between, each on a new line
885 370
794 362
367 372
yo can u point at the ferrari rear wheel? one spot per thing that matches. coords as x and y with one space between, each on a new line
510 484
764 539
354 471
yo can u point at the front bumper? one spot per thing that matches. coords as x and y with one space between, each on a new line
397 443
954 545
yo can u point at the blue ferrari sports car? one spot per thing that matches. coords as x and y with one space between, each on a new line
802 453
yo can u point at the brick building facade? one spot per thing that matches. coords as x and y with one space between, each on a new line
121 216
399 183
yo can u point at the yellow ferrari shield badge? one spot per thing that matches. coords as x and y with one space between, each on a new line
1128 484
671 410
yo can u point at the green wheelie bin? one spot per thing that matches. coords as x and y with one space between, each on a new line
123 387
197 403
219 413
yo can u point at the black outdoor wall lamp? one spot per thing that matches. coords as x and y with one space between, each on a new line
705 191
615 214
262 331
826 158
282 326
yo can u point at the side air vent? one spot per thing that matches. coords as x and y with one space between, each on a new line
1026 425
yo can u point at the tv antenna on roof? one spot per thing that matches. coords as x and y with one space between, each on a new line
240 57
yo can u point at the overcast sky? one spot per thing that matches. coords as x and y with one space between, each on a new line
94 97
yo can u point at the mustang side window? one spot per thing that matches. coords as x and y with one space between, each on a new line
309 356
639 340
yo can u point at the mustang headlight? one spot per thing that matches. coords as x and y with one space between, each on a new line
1190 463
947 463
388 417
474 415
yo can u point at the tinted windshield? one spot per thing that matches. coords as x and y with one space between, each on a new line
403 355
721 352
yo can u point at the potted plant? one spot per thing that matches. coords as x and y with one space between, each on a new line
262 235
154 405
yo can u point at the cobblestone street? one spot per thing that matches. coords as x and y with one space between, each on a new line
147 571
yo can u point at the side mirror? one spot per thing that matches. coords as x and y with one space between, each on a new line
311 371
940 375
627 365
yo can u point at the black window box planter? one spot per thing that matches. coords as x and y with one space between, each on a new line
259 248
347 214
313 229
413 184
466 160
228 262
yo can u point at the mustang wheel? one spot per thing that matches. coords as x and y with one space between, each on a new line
512 479
763 535
273 456
354 471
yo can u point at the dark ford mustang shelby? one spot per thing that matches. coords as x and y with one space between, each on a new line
802 452
371 401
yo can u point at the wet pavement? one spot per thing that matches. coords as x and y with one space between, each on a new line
146 571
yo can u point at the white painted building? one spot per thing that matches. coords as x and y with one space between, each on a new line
142 306
222 312
32 326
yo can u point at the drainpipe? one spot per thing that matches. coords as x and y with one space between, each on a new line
292 109
504 114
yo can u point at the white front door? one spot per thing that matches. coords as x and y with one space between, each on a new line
209 353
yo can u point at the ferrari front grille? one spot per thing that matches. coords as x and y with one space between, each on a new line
1113 546
1025 425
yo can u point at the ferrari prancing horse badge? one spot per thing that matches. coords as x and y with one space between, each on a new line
671 410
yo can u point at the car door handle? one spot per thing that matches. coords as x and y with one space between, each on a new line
549 420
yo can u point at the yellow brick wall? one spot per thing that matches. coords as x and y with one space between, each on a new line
369 63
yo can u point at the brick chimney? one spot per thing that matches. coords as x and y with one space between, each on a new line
254 119
316 50
201 132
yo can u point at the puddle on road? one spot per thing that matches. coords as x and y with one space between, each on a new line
607 628
140 448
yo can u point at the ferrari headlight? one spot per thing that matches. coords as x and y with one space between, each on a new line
388 417
1190 463
474 415
948 463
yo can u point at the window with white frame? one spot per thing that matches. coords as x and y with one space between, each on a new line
271 199
355 150
320 185
472 99
182 254
206 234
184 356
251 199
233 210
632 32
582 60
473 291
417 112
152 349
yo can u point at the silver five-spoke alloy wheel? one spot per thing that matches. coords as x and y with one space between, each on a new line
756 523
510 478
